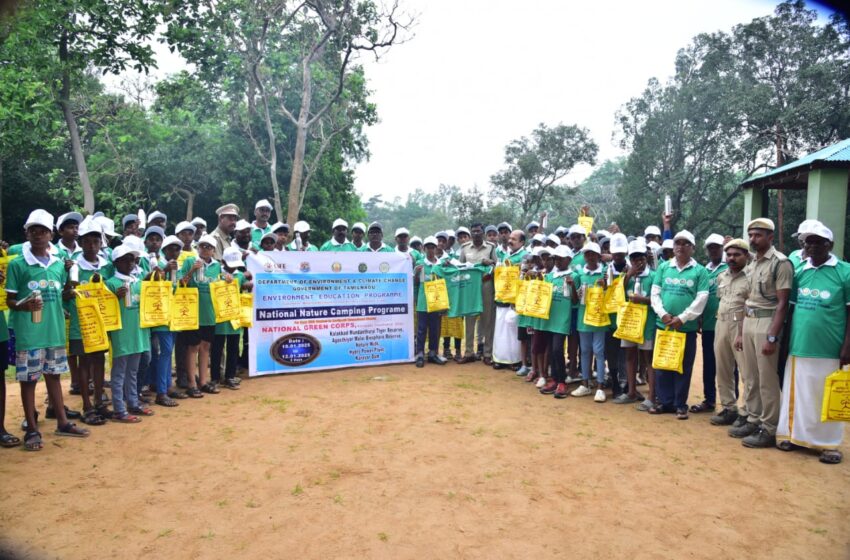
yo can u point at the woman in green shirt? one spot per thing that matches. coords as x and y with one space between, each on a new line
560 319
226 336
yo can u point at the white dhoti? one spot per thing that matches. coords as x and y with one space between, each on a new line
506 349
802 399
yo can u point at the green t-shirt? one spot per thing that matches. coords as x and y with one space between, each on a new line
429 270
212 272
22 278
106 270
331 245
583 277
679 289
515 259
820 297
709 316
645 283
226 328
65 253
4 328
796 258
561 310
131 338
464 287
578 262
384 249
257 233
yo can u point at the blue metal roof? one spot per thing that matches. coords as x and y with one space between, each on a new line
835 154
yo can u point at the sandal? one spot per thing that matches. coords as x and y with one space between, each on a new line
831 456
210 388
92 418
703 407
140 411
104 412
682 414
786 445
33 442
177 395
71 430
165 400
126 419
658 409
194 393
8 440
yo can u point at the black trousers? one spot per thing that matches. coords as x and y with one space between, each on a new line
222 343
557 359
428 325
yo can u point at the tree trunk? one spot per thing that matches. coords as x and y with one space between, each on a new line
300 145
64 102
190 206
278 206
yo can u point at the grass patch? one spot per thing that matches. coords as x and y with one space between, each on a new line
281 405
298 490
164 533
383 537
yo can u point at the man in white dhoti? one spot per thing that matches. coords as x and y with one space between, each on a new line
507 351
820 344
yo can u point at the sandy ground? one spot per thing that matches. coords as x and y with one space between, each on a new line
395 462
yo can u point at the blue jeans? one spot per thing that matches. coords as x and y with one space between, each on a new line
672 387
709 371
123 382
143 377
161 348
592 344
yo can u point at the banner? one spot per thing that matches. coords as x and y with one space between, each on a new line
318 311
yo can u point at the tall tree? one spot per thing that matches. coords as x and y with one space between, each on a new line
536 165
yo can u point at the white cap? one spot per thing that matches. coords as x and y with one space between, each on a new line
667 244
592 248
562 251
553 238
76 216
619 243
183 226
603 233
652 230
541 238
232 257
263 204
538 251
686 235
172 240
89 225
242 224
301 226
40 218
463 229
123 250
817 229
107 225
359 225
135 243
575 228
416 239
208 239
199 221
156 214
270 235
450 233
804 225
653 245
402 231
339 222
638 246
430 240
279 225
714 239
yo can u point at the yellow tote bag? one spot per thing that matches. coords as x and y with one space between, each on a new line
506 283
836 397
538 300
521 296
4 267
184 310
631 322
586 222
225 300
108 304
92 329
594 311
615 296
451 327
436 295
155 303
669 351
246 309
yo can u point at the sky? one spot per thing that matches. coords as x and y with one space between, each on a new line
476 74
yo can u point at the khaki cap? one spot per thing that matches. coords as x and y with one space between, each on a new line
761 223
228 210
737 244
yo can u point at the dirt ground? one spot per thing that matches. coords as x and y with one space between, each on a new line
396 462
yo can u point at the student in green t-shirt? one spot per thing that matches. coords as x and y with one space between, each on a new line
638 286
560 317
540 339
38 320
592 338
428 324
268 242
91 267
226 336
130 341
199 272
162 339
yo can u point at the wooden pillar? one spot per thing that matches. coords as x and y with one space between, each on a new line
826 200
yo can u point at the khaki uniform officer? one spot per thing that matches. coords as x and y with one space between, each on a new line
769 275
227 217
732 290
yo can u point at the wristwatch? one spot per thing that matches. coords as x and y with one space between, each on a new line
772 339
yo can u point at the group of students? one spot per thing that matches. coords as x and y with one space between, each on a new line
739 303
